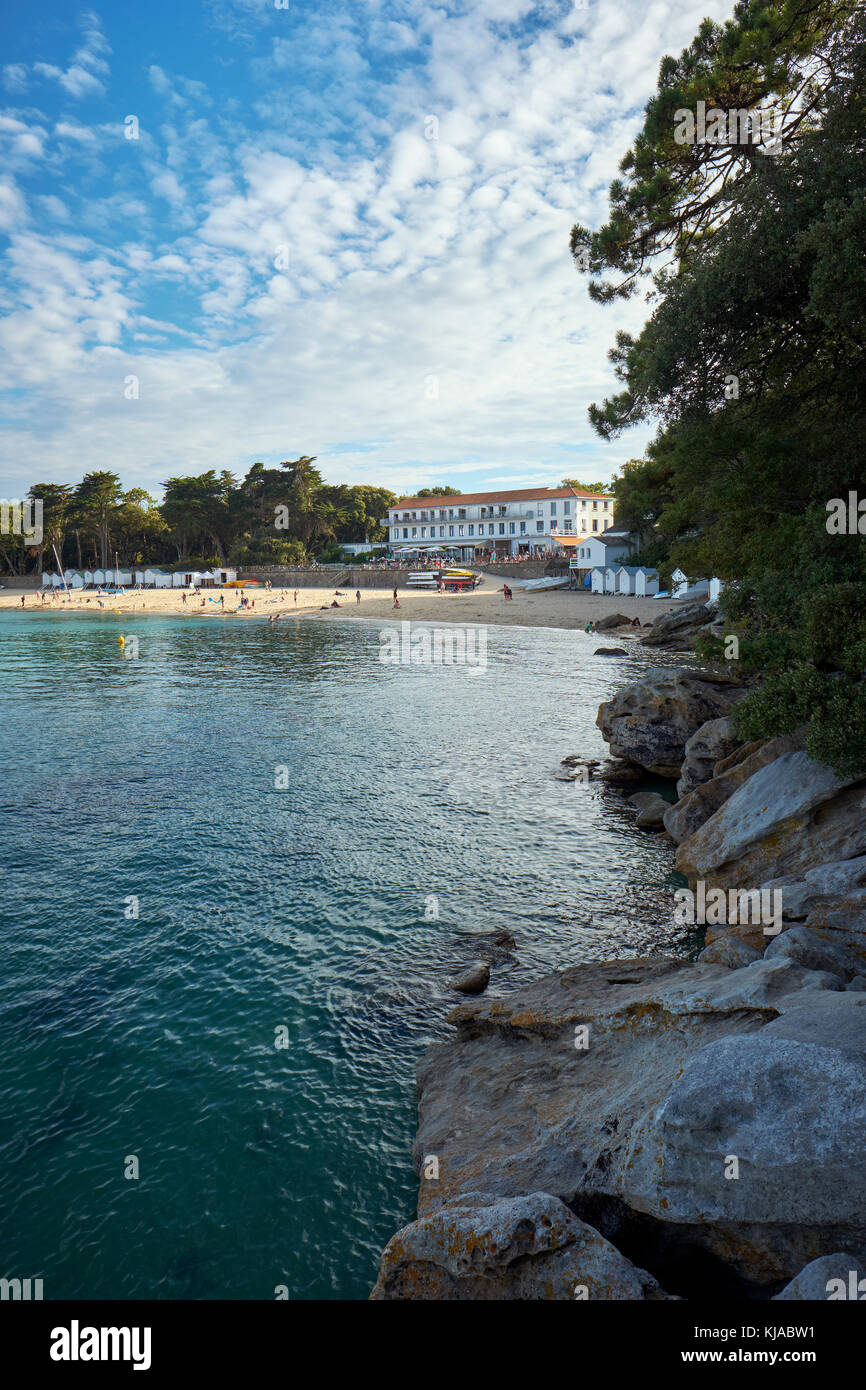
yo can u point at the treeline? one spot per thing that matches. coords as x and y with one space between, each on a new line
753 363
282 515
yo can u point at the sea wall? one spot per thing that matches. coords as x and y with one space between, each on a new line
646 1129
338 578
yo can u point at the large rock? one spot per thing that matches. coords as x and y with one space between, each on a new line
611 621
516 1248
650 809
651 721
707 746
622 1089
792 1115
789 817
839 882
821 1280
677 627
696 807
816 947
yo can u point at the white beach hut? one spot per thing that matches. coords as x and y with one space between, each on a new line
99 576
185 579
597 581
610 579
216 577
625 579
684 588
646 582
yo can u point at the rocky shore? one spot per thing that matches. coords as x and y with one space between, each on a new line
655 1128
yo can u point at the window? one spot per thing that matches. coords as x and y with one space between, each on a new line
539 526
442 531
451 516
414 532
471 529
523 528
566 507
595 525
461 512
539 510
423 533
502 528
491 528
451 530
511 528
461 530
405 533
595 506
553 509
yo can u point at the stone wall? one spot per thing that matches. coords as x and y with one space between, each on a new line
347 577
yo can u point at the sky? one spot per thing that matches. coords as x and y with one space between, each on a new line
253 229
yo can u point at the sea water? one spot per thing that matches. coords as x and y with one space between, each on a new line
240 866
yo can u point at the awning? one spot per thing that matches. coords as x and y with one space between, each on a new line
567 540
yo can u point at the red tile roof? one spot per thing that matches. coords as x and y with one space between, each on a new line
523 494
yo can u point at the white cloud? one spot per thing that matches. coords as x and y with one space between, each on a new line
406 258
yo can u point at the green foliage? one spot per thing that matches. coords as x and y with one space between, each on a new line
753 363
282 515
601 488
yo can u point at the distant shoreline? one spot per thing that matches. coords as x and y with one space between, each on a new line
552 608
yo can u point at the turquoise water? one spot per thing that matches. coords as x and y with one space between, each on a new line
306 908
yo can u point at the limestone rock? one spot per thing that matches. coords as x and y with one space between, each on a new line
612 620
650 808
619 773
472 981
650 722
483 1247
696 807
820 1278
621 1088
610 651
731 951
707 746
832 882
677 625
821 948
792 1114
790 816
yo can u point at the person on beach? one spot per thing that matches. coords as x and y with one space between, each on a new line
357 595
335 604
296 596
395 596
222 602
183 596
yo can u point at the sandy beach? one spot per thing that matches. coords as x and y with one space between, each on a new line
487 605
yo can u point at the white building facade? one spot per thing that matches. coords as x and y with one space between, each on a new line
520 522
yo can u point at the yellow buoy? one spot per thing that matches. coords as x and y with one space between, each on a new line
121 641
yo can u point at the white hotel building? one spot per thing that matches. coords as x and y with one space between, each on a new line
507 523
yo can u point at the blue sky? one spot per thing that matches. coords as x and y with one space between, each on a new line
338 229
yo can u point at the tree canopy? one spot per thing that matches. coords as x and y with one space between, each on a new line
280 515
753 362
